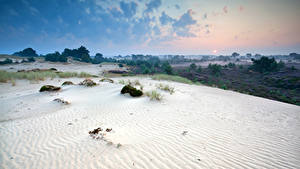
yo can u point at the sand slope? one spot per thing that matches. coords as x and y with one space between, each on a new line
196 127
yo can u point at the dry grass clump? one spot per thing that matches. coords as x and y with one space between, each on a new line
154 95
166 88
136 83
13 82
39 75
128 82
124 82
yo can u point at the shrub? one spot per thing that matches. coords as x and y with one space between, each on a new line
193 67
49 88
121 65
215 69
231 65
26 52
154 95
167 68
199 70
6 61
88 83
67 83
132 91
264 64
85 58
59 100
56 57
31 59
106 80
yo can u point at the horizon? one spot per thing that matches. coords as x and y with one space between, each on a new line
154 27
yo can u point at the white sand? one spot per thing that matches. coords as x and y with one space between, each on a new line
224 129
74 66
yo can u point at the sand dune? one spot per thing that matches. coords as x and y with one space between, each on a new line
196 127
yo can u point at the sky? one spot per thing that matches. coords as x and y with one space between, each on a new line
158 27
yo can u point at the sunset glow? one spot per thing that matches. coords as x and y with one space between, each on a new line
152 26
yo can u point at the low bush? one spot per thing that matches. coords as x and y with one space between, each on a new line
132 91
6 61
264 64
67 83
215 69
49 88
106 80
59 100
88 83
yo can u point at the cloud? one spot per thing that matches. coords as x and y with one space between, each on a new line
225 9
181 26
13 12
87 10
156 30
185 20
165 19
117 13
241 8
152 5
129 9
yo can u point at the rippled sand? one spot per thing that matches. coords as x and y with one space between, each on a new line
196 127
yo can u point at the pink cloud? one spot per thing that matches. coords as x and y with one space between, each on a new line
225 10
241 8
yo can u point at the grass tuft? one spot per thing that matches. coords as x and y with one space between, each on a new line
154 95
166 88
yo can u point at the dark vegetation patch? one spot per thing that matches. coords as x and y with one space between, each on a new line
10 61
88 83
49 88
106 80
67 83
38 70
132 91
59 100
28 52
95 131
118 71
264 78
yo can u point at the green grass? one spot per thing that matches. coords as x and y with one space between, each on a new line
36 76
171 78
